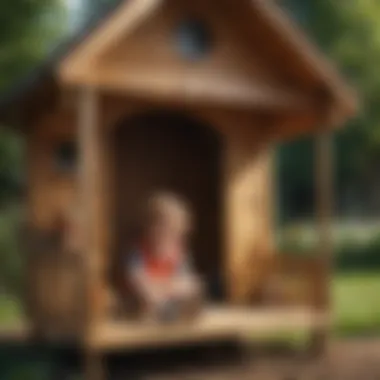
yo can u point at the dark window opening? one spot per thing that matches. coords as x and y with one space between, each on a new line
66 157
193 39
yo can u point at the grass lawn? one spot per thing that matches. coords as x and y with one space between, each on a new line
10 311
357 303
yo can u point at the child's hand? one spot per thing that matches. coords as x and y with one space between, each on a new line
158 294
157 297
186 286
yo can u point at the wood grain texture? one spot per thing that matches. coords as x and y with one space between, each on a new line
295 280
248 208
213 324
146 63
91 196
324 189
147 119
258 56
128 16
53 277
49 190
324 208
302 50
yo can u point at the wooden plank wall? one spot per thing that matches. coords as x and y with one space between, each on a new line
49 191
146 61
248 202
246 191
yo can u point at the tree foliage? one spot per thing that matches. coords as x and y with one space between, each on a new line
27 30
349 33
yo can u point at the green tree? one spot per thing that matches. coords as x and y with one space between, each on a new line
28 29
348 32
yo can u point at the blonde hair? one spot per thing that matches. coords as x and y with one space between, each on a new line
164 205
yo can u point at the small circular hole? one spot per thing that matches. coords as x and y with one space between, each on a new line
193 39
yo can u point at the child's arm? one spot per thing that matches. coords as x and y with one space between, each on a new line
141 283
186 283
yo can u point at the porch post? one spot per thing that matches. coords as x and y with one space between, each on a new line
90 194
324 206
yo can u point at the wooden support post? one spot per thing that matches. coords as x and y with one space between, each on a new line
248 224
90 192
324 200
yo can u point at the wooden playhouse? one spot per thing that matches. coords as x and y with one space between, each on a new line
188 96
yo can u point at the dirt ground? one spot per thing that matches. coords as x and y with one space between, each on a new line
347 360
355 359
352 359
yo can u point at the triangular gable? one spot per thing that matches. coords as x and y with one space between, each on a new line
266 59
134 50
127 16
293 46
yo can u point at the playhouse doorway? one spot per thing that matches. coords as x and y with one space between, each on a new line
171 152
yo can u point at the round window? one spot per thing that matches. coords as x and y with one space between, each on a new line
193 39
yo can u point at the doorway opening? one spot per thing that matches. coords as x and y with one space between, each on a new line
163 151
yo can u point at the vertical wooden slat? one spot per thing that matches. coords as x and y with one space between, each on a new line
91 194
324 208
87 187
324 187
33 309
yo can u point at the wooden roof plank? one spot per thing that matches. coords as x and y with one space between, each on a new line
129 15
299 45
214 324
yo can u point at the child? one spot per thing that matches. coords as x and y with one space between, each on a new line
159 270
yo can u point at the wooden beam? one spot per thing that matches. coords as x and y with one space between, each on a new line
324 200
87 135
324 187
294 44
248 230
128 16
90 194
164 87
214 324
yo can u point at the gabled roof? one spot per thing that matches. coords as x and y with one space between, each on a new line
295 40
289 44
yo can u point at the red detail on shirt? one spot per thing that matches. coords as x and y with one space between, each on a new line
161 266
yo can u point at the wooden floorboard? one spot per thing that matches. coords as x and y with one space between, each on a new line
213 324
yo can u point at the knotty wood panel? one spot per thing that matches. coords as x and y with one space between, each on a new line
146 61
248 204
49 191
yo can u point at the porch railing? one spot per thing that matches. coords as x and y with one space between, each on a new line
295 280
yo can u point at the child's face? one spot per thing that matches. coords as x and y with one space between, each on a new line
169 233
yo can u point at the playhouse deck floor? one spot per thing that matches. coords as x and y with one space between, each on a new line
214 323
